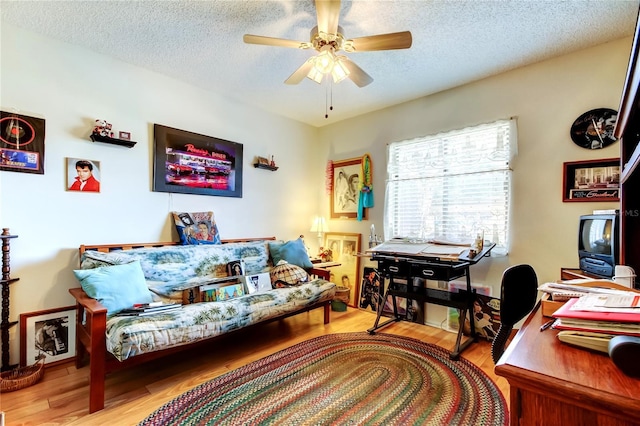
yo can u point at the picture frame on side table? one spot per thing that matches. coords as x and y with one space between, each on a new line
344 249
591 180
51 332
190 163
345 189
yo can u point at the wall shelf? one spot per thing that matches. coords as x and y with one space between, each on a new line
265 166
113 141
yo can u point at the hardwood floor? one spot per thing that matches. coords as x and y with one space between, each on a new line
61 398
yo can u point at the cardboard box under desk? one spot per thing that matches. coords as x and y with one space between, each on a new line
549 306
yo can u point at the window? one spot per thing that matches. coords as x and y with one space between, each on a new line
452 185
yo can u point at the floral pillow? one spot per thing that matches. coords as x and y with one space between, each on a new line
196 228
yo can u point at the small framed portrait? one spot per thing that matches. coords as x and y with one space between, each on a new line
83 175
50 332
125 136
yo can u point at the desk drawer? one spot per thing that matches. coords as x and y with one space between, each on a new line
436 272
397 269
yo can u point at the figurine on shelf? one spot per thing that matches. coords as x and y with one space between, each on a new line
272 163
102 128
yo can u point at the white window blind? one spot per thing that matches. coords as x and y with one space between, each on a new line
452 185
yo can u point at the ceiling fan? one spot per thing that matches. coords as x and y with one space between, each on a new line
328 39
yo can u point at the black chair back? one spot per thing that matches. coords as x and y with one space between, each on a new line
518 295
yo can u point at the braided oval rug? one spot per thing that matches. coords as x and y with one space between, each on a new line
347 378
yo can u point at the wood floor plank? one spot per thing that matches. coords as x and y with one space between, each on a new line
62 397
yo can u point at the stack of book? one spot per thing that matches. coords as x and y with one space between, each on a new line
143 309
592 320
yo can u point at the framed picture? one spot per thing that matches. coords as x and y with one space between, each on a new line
83 175
593 180
51 332
345 189
21 143
370 297
344 249
191 163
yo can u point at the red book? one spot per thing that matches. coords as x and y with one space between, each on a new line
565 312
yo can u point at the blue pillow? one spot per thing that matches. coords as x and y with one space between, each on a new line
294 252
116 287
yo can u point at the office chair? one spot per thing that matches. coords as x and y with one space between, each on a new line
518 295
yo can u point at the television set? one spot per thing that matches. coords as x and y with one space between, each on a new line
598 249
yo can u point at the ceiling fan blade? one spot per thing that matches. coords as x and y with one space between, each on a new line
272 41
299 74
401 40
328 13
357 74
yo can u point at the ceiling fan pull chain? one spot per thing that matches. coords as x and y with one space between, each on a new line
331 102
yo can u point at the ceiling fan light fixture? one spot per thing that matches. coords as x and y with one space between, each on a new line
340 70
325 60
315 75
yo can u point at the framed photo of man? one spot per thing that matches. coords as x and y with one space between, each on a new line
345 188
83 175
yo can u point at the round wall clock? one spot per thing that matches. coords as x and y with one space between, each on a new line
594 129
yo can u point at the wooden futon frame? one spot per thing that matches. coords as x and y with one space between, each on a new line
91 320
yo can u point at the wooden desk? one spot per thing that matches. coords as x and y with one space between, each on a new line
557 384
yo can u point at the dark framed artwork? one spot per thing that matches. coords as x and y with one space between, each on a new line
345 189
190 163
50 332
592 180
21 143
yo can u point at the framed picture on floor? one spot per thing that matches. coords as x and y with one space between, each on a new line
50 332
370 297
344 249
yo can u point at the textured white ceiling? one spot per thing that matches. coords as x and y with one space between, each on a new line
454 42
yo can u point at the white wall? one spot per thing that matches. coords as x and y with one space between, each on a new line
545 98
70 87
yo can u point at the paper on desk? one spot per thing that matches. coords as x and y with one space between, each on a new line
444 249
399 247
601 303
395 246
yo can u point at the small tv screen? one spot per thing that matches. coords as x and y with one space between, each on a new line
597 244
596 235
